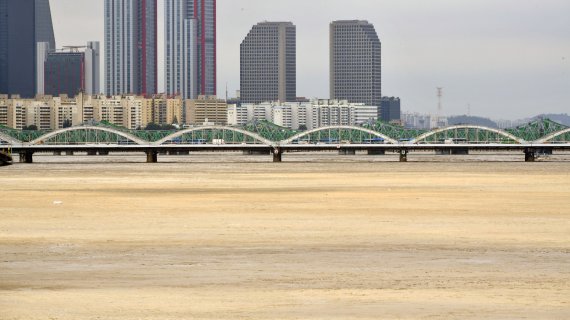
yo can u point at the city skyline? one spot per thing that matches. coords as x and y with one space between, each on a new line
425 46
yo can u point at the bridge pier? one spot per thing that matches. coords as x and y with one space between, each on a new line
529 155
151 156
277 155
57 153
184 153
347 152
92 152
403 155
69 153
27 157
376 152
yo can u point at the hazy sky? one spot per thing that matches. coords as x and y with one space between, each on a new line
507 58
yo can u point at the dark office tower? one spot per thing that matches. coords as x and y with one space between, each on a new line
131 47
268 63
355 63
64 73
190 47
23 23
390 109
70 72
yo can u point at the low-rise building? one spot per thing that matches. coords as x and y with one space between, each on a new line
207 109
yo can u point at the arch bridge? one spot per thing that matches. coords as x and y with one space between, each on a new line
467 134
214 135
339 135
88 135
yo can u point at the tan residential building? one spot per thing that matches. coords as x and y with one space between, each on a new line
109 110
132 112
38 113
4 110
163 110
16 114
206 110
65 112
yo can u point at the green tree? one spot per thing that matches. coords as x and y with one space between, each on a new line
32 127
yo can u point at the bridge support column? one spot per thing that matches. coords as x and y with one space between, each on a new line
27 157
529 155
103 152
277 155
68 153
376 152
184 153
151 156
92 152
403 155
57 153
347 152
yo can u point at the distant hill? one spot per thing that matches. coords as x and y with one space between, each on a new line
479 121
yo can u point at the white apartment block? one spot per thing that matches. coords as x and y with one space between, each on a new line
309 115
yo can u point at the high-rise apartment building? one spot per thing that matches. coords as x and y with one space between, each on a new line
190 47
355 62
130 47
23 23
268 69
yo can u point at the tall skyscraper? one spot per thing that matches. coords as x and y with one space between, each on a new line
268 57
355 62
190 47
131 47
23 23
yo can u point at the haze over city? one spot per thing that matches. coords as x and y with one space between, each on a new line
507 59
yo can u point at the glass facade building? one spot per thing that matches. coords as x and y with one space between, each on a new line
23 24
131 47
190 47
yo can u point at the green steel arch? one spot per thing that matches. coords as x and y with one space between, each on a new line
7 139
229 135
468 134
340 133
88 135
562 136
537 129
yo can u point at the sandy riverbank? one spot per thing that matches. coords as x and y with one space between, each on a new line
285 241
